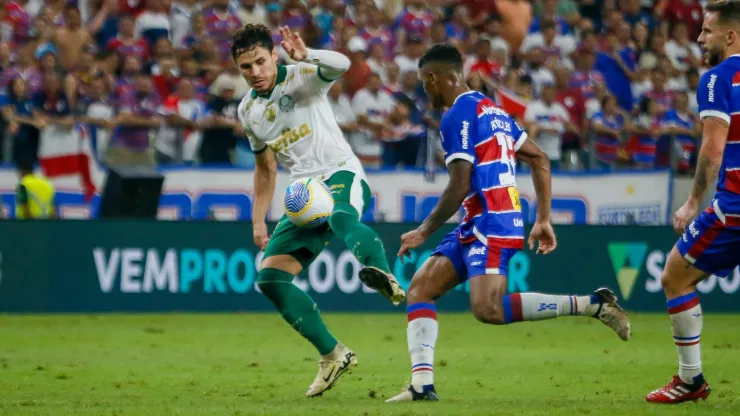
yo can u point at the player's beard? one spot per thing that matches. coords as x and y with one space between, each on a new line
714 55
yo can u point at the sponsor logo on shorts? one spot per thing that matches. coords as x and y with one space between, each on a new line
474 251
692 229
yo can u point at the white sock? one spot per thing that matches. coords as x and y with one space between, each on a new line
537 306
686 320
422 335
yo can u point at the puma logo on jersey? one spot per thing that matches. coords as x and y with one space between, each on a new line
289 137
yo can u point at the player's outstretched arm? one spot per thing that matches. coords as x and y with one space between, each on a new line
452 197
449 202
265 172
530 154
331 64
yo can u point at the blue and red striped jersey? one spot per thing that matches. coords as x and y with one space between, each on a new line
477 131
718 96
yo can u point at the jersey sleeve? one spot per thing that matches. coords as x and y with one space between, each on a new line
457 130
322 69
257 145
713 95
518 134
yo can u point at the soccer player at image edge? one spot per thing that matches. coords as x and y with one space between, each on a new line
287 115
710 243
480 142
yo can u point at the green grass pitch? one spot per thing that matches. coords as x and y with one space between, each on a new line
254 364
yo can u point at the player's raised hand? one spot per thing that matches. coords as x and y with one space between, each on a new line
259 232
543 233
411 239
293 44
684 215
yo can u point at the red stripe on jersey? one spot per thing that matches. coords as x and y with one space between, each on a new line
486 102
472 207
701 244
732 180
736 77
498 199
733 134
732 220
497 242
489 151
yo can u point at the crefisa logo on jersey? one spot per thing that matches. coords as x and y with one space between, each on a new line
464 134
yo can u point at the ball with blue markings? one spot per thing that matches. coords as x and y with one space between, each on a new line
308 202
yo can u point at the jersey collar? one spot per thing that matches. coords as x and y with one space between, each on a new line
465 93
282 71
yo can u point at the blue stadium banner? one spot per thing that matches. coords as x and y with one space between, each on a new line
137 266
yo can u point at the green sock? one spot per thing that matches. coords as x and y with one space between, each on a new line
360 238
297 308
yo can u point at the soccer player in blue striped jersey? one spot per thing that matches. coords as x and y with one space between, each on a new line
710 243
480 142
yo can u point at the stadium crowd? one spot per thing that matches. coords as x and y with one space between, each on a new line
598 84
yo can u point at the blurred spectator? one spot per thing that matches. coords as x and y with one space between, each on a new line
607 126
251 11
692 83
229 78
179 137
546 120
687 11
571 98
617 64
686 130
402 141
97 112
372 106
221 24
70 39
342 108
219 126
153 23
359 70
648 129
584 76
482 62
137 117
23 127
682 52
181 14
633 14
126 43
408 60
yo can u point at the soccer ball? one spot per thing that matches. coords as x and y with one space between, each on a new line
308 202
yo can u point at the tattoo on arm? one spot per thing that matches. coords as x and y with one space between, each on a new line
706 173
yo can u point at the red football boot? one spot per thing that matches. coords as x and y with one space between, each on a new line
678 392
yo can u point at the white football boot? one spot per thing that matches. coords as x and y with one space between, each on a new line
331 369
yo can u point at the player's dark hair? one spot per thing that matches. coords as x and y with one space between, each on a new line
728 10
443 53
24 164
249 37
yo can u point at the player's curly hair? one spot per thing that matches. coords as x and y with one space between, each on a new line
249 37
442 53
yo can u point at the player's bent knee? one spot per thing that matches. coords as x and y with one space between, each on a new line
489 313
343 218
283 262
679 277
